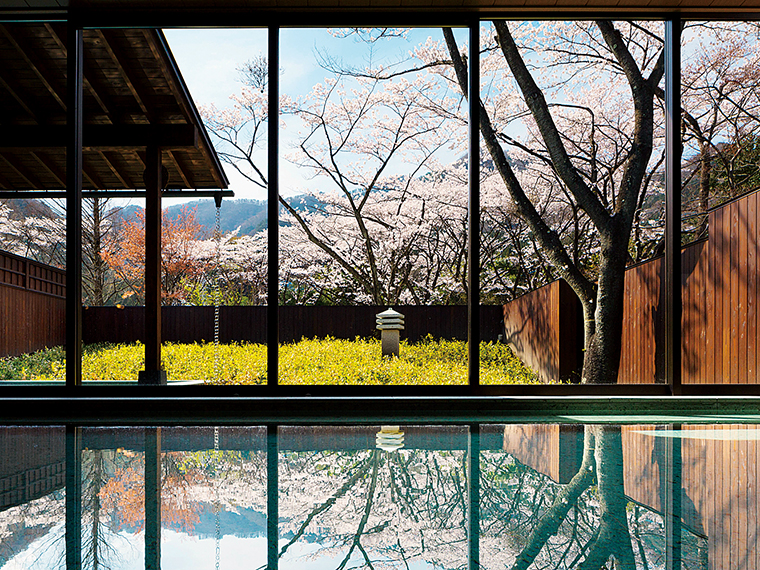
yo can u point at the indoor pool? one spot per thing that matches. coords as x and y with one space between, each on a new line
539 495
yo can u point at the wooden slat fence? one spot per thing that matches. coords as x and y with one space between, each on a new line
32 305
720 331
720 295
196 324
32 465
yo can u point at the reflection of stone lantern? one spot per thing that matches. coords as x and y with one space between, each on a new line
389 323
389 438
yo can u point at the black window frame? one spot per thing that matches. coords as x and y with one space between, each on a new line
336 403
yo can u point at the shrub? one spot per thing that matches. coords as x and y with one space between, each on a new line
307 362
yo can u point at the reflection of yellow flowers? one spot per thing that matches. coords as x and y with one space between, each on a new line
119 306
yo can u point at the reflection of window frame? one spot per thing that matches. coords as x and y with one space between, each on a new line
171 402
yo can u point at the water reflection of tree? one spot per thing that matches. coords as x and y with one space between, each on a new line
35 528
386 508
188 480
528 520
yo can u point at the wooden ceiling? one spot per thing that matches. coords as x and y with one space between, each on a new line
395 6
133 96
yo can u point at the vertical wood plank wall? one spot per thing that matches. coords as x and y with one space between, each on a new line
719 323
545 329
719 498
33 305
720 331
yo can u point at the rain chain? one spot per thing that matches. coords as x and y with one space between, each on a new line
217 293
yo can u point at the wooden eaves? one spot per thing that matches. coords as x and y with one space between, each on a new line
134 96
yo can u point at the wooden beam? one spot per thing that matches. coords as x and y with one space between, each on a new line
118 59
94 180
37 65
86 83
101 137
168 193
180 169
20 99
113 169
48 165
27 176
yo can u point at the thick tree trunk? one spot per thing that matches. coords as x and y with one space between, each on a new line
601 360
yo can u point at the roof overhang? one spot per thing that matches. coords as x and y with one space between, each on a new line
134 97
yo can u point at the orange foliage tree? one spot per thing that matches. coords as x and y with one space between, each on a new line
179 265
123 495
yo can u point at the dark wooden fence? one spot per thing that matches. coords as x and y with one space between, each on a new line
32 305
719 286
720 331
196 324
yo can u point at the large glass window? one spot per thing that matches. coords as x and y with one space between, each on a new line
571 175
372 185
373 194
32 213
719 93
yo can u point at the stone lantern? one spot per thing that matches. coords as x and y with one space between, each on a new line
389 323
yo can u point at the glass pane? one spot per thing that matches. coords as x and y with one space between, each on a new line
32 213
720 208
570 148
373 198
212 280
227 74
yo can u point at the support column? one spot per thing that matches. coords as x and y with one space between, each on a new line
75 67
273 208
152 375
153 498
473 250
672 289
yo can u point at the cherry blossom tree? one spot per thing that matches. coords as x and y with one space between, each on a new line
721 112
377 228
36 236
239 272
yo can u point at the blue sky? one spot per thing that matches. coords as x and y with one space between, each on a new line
209 60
